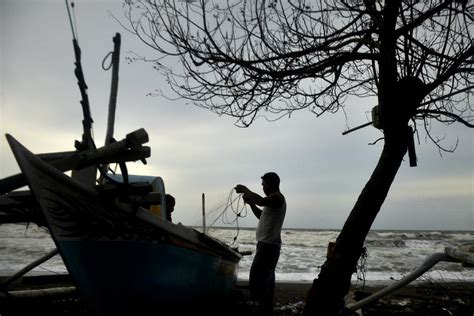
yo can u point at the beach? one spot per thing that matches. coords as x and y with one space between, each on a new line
419 298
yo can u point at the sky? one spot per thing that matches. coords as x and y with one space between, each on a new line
196 151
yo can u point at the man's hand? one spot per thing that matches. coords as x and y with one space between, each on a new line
239 188
249 198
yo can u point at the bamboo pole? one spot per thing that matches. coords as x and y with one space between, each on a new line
429 262
37 293
29 267
203 214
128 149
113 89
113 97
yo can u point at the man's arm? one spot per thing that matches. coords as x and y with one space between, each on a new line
273 200
256 211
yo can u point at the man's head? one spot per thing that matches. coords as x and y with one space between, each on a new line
170 203
270 183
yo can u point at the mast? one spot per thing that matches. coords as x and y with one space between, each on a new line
113 96
87 175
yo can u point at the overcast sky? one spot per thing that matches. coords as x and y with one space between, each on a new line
196 151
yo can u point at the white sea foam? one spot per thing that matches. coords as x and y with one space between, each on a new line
391 254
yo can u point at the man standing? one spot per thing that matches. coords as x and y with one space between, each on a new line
262 271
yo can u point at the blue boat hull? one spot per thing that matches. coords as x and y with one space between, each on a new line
121 277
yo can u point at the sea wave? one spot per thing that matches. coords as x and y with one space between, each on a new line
390 254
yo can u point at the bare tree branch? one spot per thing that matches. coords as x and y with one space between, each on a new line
274 57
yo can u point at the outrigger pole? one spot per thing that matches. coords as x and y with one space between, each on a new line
28 268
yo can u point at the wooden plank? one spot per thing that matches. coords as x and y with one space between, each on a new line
37 293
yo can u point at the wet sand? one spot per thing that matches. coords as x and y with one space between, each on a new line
419 298
428 298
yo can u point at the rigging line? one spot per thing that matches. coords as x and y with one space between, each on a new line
226 205
70 20
238 230
229 203
362 266
227 218
105 59
236 210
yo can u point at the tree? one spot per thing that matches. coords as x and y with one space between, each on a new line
279 56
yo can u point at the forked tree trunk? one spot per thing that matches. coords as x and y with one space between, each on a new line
326 296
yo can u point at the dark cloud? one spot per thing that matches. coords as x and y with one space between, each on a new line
196 151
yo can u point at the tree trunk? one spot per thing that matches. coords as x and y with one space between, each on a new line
326 296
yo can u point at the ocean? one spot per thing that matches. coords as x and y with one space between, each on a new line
390 254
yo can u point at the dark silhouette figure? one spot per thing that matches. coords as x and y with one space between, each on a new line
170 204
268 235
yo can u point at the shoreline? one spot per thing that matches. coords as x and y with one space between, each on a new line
428 297
283 288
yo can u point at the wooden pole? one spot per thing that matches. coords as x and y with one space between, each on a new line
203 214
29 267
38 293
128 149
113 98
113 89
356 128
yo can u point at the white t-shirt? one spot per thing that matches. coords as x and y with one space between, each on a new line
270 224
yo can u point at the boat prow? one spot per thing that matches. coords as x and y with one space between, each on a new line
122 259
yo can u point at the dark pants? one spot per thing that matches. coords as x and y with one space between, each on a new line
262 276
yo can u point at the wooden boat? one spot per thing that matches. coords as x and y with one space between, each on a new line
123 259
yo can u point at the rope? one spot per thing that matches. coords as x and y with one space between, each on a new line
362 266
238 210
111 61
